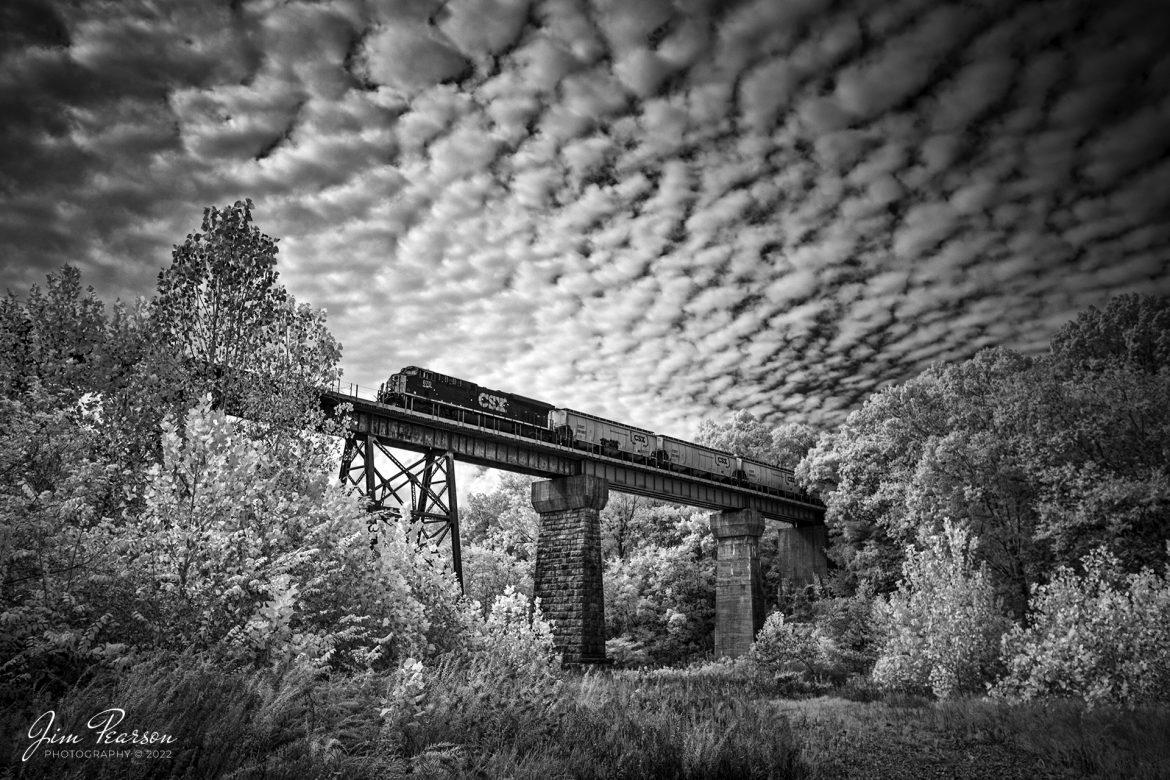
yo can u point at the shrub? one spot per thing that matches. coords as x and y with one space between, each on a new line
625 651
830 638
941 630
781 643
516 633
1100 636
506 676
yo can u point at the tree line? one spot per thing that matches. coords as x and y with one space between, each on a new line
971 509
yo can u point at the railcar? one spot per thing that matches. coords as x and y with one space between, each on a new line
756 473
430 388
684 456
585 431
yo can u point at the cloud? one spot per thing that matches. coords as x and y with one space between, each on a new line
655 211
484 28
411 57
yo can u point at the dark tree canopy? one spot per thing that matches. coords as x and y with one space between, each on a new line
219 295
1132 329
1043 459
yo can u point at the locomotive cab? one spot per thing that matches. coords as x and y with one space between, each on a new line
393 389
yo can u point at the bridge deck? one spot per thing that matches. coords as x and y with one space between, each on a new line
473 442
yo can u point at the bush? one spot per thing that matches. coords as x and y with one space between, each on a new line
1103 637
941 630
822 637
625 651
781 644
509 667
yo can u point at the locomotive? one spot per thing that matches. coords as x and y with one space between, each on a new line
432 387
446 396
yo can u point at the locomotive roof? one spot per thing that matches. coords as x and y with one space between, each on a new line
456 379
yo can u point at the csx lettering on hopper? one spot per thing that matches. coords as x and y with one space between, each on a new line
430 392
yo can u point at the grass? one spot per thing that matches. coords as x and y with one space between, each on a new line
715 721
1101 742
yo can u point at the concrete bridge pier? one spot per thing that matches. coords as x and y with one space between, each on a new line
802 553
739 585
568 564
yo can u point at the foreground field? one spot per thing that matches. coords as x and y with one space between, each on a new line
712 722
975 739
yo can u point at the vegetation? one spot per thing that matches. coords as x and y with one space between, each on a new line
999 529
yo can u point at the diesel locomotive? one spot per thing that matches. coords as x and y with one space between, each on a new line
446 396
434 388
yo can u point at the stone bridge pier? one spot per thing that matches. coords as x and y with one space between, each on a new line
568 564
568 576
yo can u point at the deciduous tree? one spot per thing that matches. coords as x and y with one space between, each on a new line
226 324
742 434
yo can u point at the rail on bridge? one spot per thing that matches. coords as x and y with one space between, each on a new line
568 567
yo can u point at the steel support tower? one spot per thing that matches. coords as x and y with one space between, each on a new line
423 490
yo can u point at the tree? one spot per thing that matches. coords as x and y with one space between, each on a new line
1101 450
791 442
499 535
862 472
226 325
742 434
219 297
660 601
504 518
60 349
622 522
57 337
59 565
1132 330
1044 459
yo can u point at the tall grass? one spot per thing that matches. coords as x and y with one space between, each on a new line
1105 742
715 721
225 724
294 724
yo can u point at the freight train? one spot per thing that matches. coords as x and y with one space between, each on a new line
446 396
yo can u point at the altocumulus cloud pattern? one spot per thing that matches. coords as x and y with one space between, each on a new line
657 211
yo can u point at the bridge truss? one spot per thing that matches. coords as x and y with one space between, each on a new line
422 491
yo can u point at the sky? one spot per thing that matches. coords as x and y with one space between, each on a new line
659 212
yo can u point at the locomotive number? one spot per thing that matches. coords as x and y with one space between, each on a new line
428 384
494 403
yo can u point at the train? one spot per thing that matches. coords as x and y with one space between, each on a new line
430 392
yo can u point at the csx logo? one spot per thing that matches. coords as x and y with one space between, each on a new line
493 402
